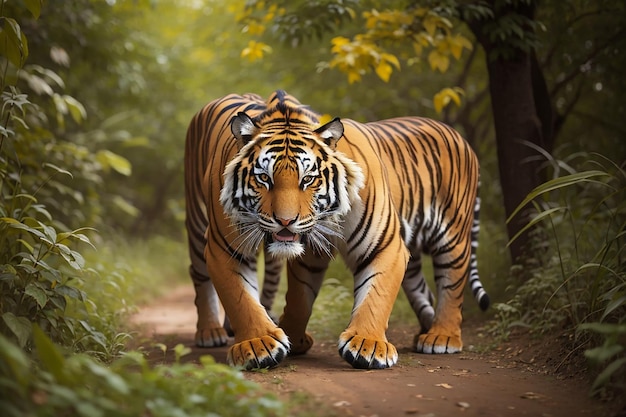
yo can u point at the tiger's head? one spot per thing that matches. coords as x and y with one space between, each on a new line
288 185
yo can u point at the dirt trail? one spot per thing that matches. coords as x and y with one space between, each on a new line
503 382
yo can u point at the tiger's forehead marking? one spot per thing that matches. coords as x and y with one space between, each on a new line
290 154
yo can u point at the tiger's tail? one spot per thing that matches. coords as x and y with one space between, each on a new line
481 296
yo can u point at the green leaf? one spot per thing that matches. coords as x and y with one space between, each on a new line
70 292
137 141
37 293
73 258
57 169
125 206
76 109
34 6
27 245
605 375
13 43
538 218
602 353
50 232
112 379
555 184
16 360
50 356
604 328
181 350
112 160
21 327
614 304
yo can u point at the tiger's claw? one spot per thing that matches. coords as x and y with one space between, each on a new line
437 343
214 337
364 353
260 353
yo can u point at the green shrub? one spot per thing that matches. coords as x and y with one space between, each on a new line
39 263
576 278
78 385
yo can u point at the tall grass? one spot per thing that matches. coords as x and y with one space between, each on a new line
575 276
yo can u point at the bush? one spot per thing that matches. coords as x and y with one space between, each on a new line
39 263
78 385
577 277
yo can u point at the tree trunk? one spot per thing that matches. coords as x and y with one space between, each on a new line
513 90
515 122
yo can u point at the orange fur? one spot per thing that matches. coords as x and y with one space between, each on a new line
264 173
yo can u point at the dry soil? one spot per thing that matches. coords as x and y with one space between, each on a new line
516 378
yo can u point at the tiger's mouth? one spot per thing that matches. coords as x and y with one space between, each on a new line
286 244
285 235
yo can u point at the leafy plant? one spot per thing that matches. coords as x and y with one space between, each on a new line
81 386
40 266
577 280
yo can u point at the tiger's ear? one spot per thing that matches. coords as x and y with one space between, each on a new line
243 128
331 132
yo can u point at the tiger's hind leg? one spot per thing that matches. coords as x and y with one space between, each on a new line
418 294
451 273
209 329
304 279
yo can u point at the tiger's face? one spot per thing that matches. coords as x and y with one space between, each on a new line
288 186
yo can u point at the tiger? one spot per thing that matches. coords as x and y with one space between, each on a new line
266 175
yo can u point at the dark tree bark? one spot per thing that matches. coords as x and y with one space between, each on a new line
515 122
517 92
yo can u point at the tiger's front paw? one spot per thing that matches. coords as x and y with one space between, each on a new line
364 353
261 352
437 343
214 337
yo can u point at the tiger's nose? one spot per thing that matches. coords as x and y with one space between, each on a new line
286 222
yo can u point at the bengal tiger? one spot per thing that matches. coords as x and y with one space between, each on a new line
264 174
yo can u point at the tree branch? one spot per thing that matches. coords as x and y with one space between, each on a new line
575 73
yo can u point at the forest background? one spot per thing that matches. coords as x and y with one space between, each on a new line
97 95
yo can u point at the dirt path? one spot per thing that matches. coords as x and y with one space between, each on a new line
505 382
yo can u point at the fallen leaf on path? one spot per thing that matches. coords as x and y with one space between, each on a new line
532 396
463 404
342 404
444 385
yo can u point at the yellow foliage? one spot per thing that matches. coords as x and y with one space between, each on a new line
429 33
255 51
383 70
445 96
457 43
358 56
438 61
254 28
391 59
430 24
